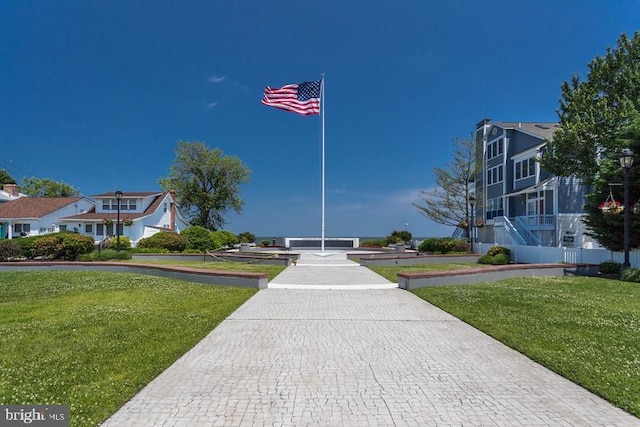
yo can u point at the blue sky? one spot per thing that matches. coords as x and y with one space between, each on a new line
96 94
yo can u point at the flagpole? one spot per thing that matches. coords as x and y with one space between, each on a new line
322 101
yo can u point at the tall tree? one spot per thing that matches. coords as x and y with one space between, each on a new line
598 119
47 187
5 178
594 112
448 203
609 229
207 183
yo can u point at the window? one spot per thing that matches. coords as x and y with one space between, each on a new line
106 204
132 205
495 175
495 148
63 227
21 228
88 228
525 168
110 230
495 207
99 229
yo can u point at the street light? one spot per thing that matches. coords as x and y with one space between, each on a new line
472 203
626 161
118 198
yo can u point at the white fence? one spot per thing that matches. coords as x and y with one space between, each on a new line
546 254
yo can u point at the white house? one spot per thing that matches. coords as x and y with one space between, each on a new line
141 214
31 216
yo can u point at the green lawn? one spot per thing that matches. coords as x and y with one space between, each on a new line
585 329
91 340
271 270
391 272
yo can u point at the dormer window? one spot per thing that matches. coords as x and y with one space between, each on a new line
525 168
495 148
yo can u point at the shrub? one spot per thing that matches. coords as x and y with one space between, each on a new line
399 237
169 240
151 250
199 238
428 245
105 255
47 247
26 245
444 245
496 250
74 244
246 237
500 259
485 259
66 246
9 249
610 267
224 238
374 242
125 243
631 275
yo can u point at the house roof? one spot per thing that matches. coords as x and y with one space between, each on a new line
34 207
127 195
541 185
544 130
92 215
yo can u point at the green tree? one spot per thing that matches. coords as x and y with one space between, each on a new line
448 203
595 111
207 183
5 178
247 237
598 119
609 229
47 187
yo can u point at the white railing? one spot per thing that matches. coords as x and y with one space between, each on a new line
546 254
533 220
532 239
511 231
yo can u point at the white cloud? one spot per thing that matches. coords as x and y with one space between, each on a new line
216 79
212 104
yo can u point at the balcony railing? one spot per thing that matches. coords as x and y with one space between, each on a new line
539 222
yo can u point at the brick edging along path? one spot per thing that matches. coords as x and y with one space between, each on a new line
196 275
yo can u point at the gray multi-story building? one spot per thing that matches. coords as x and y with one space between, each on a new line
518 202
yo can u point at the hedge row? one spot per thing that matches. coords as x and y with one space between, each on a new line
65 245
444 245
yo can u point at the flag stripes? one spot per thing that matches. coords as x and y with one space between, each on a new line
303 98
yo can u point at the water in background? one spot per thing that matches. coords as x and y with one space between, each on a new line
279 240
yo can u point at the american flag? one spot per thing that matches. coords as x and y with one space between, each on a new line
303 98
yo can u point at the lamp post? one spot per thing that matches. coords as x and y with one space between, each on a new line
472 203
118 198
626 161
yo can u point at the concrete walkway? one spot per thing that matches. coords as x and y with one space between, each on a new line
345 357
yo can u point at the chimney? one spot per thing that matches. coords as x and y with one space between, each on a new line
172 210
12 189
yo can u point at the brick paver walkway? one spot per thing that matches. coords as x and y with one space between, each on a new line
345 357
